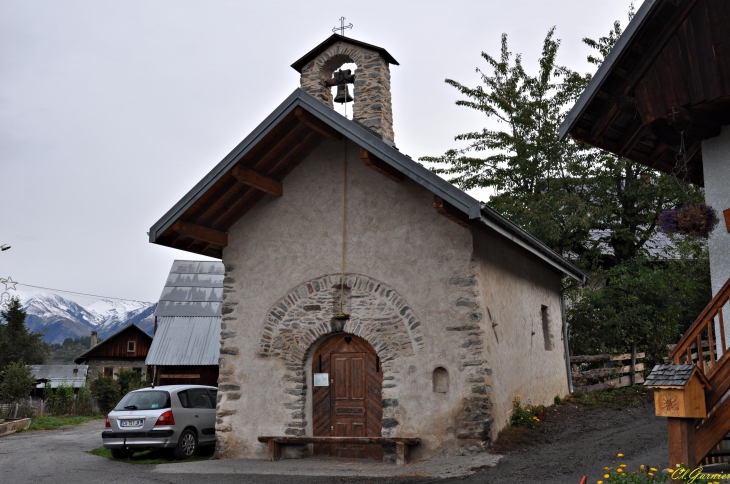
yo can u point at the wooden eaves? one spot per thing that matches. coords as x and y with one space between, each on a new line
257 167
669 72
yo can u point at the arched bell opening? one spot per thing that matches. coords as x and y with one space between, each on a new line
343 92
339 74
346 378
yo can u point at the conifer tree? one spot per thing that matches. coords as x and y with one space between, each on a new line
16 343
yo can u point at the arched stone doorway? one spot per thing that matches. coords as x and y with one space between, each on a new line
347 383
304 317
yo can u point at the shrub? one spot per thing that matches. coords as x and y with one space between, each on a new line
129 380
82 402
60 401
528 416
17 382
106 390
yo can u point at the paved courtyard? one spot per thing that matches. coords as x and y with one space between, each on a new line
581 442
63 456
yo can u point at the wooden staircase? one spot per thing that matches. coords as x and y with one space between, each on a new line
696 441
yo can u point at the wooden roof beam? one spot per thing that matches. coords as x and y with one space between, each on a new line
315 124
638 130
242 198
198 232
380 166
608 117
450 212
257 181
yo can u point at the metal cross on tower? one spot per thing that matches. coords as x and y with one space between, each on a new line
342 27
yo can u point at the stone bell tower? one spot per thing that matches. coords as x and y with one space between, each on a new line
372 104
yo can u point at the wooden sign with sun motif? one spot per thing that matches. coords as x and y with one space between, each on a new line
670 404
679 391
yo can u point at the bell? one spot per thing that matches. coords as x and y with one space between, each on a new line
343 94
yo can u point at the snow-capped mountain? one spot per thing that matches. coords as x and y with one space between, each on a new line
59 318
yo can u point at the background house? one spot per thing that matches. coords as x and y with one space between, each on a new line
55 375
127 348
186 346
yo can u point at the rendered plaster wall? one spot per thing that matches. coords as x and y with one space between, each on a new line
514 288
716 166
403 259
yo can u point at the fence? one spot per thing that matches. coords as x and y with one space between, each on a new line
37 406
611 375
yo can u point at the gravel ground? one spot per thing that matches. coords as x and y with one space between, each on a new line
581 442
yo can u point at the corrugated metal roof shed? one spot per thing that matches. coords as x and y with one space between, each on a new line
182 340
193 288
189 316
60 374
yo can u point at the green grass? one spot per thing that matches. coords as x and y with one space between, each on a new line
51 423
617 399
155 456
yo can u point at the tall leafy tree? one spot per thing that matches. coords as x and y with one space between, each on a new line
588 205
17 345
581 201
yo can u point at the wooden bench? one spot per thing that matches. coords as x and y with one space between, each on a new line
402 444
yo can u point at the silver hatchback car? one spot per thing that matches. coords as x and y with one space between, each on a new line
178 417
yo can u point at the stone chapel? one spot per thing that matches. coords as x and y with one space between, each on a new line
363 294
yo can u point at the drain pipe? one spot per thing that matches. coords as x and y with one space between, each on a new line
568 368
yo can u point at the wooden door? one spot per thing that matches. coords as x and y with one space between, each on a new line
351 405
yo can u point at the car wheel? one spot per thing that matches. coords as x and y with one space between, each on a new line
121 454
187 445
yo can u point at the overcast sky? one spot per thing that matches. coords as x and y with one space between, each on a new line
111 111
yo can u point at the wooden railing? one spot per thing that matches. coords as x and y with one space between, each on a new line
704 344
708 328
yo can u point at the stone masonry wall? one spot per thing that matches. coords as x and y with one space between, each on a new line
435 318
475 419
96 367
372 104
378 314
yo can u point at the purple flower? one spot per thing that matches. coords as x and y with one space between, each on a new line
694 220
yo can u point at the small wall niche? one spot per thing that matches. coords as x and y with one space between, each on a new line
440 380
546 328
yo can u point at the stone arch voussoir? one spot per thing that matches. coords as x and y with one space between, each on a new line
378 314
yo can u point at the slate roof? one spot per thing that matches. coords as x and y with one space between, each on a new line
193 288
59 374
374 144
669 375
299 64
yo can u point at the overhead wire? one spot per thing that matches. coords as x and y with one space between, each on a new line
83 293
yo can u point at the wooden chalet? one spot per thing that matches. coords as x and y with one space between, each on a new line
125 349
662 99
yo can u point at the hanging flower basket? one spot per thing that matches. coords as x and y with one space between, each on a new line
694 220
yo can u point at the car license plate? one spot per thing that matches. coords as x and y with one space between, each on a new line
131 423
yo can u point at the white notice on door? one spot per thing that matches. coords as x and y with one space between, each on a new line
321 379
